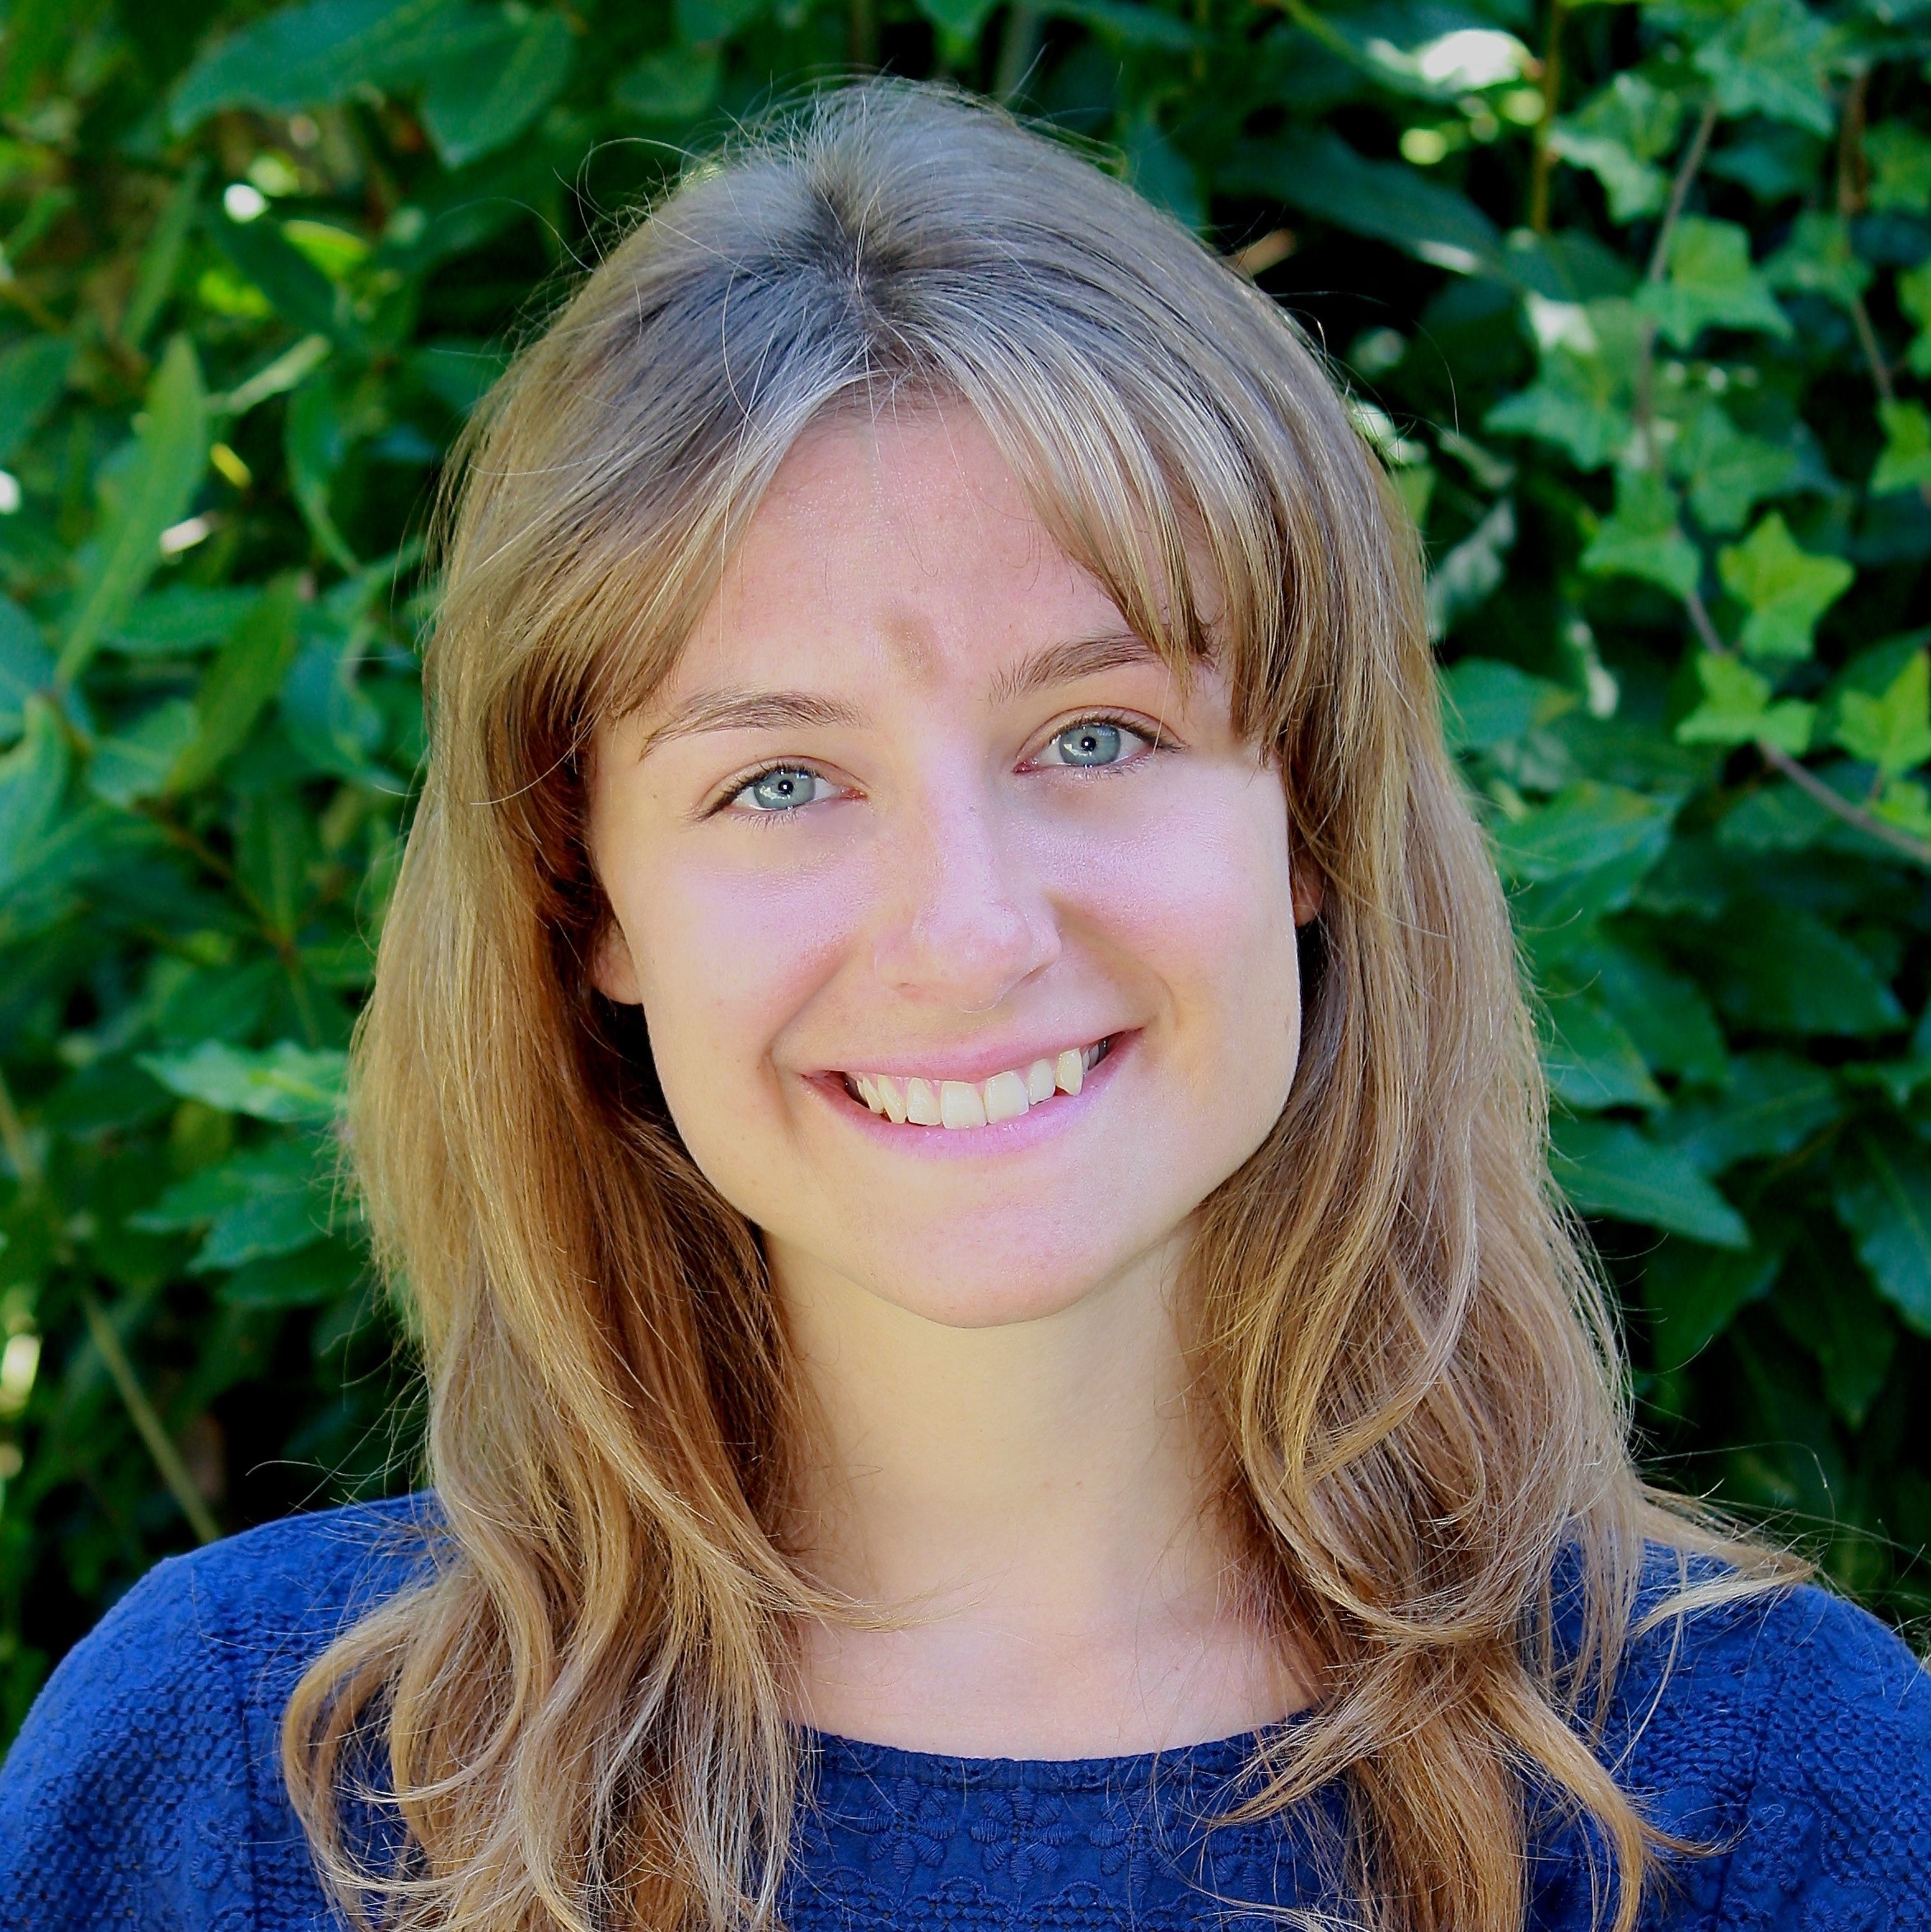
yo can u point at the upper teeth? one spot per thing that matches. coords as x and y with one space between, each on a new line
966 1103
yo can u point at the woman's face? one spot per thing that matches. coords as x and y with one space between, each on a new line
919 832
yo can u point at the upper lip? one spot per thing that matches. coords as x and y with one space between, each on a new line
971 1063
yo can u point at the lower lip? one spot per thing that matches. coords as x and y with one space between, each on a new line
1003 1137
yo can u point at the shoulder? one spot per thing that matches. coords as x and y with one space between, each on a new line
1793 1731
143 1785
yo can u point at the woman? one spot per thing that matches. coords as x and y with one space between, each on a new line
947 1081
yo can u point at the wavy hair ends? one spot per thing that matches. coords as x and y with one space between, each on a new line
578 1722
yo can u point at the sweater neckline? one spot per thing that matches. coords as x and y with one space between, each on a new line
835 1758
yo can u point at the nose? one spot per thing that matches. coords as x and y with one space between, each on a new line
969 920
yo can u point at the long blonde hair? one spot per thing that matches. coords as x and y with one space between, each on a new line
579 1717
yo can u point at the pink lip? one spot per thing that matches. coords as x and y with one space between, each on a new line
1049 1117
977 1064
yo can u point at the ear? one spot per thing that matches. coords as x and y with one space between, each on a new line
612 971
1305 884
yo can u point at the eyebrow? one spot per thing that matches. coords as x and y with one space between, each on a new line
745 710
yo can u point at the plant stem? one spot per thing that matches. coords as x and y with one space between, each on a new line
1851 195
1706 627
1807 781
147 1424
1873 350
1659 256
1659 262
205 855
1852 169
1800 774
1542 164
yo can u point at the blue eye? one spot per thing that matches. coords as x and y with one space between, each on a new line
1094 741
783 788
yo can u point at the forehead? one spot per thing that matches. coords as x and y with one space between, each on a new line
896 551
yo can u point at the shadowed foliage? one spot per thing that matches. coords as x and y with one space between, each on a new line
1634 300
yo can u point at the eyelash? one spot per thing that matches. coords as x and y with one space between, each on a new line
1150 736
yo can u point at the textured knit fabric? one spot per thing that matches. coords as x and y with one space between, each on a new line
144 1794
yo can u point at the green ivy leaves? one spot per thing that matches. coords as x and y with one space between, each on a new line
259 279
1736 710
1710 284
1785 588
486 72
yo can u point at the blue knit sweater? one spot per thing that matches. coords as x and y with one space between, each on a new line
1795 1734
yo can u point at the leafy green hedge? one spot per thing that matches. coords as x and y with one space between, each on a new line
1636 303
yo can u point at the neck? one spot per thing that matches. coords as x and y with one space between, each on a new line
1027 1507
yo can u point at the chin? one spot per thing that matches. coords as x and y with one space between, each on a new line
1001 1282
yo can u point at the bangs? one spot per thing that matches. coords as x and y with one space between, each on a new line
1149 492
1167 422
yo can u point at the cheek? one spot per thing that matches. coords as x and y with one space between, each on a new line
1201 893
726 960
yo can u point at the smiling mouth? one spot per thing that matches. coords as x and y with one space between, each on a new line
959 1104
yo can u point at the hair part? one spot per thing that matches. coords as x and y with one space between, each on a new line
578 1718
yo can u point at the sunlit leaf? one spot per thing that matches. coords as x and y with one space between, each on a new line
1914 298
1736 710
280 1083
1619 134
1786 588
1584 394
1892 730
295 289
1905 462
169 461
